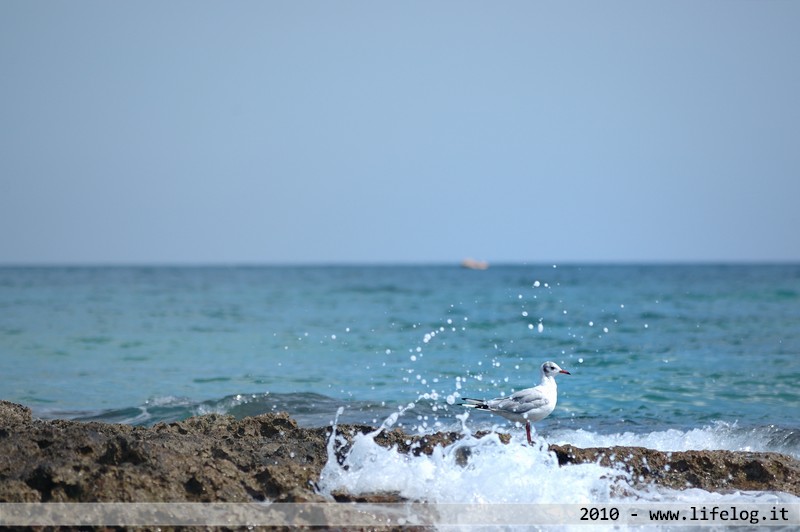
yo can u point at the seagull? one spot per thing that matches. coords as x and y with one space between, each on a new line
529 405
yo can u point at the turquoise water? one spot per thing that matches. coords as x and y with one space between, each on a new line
650 348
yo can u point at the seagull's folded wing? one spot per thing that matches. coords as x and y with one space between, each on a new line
521 401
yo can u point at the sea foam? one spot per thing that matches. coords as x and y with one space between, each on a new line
487 471
720 436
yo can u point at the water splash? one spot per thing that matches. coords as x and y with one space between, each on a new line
487 471
472 469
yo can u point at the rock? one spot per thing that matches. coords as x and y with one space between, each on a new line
268 457
12 415
717 471
208 458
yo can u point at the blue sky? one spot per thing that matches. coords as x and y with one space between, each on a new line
294 132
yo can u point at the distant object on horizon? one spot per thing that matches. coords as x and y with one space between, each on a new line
472 264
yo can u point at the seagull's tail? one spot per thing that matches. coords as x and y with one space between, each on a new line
474 403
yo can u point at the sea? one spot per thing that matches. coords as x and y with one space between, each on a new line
670 357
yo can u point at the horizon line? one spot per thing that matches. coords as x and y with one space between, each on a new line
396 263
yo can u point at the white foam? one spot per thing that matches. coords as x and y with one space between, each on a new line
719 436
485 470
494 473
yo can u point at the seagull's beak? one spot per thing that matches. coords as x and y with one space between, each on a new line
565 371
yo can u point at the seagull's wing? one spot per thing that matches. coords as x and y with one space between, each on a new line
520 402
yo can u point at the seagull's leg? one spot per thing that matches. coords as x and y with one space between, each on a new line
528 432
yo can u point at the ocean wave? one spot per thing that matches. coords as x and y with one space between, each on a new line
308 409
720 435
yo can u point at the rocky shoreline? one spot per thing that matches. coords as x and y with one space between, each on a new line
216 458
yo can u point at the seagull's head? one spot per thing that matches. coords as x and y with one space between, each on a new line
551 369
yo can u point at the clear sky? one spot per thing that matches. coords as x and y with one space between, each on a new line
362 131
